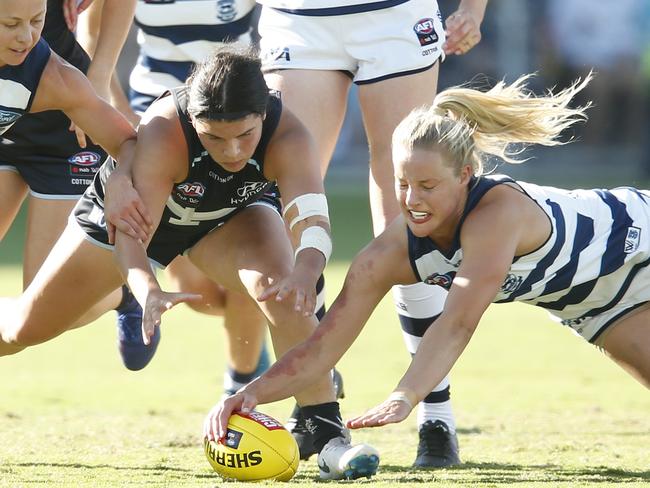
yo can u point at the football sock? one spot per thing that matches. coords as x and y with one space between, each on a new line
234 380
127 299
324 422
418 306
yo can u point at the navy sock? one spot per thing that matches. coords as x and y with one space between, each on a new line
324 422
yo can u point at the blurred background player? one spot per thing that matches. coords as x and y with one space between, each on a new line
312 52
40 157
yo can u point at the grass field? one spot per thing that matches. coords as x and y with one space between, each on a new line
535 405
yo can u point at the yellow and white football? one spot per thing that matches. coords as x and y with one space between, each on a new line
256 447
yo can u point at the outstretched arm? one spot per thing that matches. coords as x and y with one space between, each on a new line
291 161
160 160
63 87
380 265
490 239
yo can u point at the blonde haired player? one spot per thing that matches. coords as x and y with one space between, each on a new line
584 255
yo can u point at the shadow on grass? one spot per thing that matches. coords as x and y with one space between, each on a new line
155 470
516 473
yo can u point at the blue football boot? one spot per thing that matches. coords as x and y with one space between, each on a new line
135 355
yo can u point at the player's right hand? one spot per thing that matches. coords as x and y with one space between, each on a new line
125 210
216 422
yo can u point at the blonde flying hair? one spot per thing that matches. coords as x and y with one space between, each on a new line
470 126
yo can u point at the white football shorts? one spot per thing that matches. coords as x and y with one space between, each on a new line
371 45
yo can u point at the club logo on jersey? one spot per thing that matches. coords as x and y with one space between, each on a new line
443 280
226 11
425 30
632 239
233 438
191 190
7 119
511 283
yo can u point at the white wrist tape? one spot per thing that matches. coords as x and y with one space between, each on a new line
308 205
400 396
318 238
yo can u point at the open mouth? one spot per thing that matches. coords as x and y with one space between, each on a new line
415 215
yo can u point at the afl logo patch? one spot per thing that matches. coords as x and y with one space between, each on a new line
84 158
424 26
425 30
191 189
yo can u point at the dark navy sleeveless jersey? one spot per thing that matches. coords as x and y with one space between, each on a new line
44 138
599 244
18 85
204 200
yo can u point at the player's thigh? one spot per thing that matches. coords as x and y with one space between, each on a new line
75 275
13 190
251 248
386 103
319 99
184 276
46 219
628 343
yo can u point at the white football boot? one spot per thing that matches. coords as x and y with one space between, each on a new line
340 460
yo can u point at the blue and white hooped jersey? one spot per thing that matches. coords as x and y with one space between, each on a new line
600 240
175 34
18 85
318 8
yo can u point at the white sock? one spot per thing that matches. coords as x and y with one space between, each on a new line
417 306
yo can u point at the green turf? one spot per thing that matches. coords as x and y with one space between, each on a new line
535 405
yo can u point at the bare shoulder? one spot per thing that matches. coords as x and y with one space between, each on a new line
161 128
289 135
161 138
506 219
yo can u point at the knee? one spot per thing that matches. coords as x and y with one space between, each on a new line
256 281
213 294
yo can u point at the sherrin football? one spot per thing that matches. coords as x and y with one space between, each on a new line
256 447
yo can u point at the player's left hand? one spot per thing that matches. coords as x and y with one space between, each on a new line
215 424
463 30
298 286
388 412
71 11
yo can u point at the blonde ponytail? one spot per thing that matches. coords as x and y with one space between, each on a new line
470 125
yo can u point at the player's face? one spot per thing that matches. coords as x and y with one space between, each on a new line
21 23
430 194
230 143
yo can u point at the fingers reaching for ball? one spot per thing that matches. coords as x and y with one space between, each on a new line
215 424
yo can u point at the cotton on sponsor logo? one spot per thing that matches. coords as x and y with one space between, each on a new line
191 189
84 158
